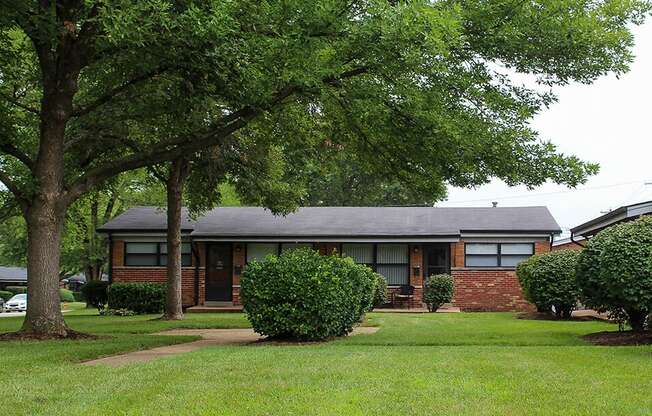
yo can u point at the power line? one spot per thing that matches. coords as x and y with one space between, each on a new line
535 194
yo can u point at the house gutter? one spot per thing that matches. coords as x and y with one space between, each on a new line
575 241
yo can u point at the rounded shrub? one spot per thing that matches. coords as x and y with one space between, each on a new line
66 295
614 271
95 293
438 291
138 297
16 290
304 296
79 296
380 293
548 281
6 295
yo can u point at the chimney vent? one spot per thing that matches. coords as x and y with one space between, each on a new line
494 204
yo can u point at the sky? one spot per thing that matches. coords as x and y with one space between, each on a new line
607 122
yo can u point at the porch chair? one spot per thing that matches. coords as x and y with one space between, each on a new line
405 293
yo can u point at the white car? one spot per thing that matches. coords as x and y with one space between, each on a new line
18 303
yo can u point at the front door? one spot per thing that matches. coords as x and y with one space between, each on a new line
219 275
436 259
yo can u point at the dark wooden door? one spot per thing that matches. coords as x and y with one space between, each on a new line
219 274
436 259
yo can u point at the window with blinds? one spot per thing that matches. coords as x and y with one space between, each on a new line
258 251
389 260
497 254
154 254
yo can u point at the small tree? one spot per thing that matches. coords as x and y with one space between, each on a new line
548 281
614 271
439 290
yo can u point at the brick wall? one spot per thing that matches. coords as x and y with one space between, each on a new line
121 273
488 289
568 246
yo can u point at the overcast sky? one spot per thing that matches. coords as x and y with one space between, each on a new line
607 122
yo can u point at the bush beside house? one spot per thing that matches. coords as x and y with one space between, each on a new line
301 295
66 295
548 281
438 291
16 289
6 295
614 271
140 298
380 293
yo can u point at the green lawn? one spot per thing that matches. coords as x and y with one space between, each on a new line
416 364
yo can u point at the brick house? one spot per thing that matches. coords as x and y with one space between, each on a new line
479 247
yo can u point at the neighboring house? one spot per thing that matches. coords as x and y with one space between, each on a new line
583 232
479 247
12 276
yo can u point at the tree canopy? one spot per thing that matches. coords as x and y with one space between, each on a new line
418 90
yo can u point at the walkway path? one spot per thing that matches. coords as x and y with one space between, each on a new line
210 337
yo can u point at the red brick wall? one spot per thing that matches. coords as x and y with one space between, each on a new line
567 246
124 274
488 289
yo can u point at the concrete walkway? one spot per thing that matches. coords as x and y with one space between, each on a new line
210 337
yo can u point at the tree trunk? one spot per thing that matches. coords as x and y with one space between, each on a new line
44 229
173 304
636 319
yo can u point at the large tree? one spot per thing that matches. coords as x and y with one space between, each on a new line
415 88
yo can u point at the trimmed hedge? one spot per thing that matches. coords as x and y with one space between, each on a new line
548 281
614 271
6 295
380 293
301 295
66 295
438 290
138 297
16 290
95 293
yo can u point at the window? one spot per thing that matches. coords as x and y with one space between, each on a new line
293 246
258 251
360 253
392 261
389 260
154 254
497 254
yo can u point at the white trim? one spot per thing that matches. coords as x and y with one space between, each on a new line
502 237
330 240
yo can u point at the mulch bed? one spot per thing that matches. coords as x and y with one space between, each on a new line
620 338
540 316
31 336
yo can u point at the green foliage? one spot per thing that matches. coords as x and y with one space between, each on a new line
79 296
614 271
380 292
6 295
548 281
95 293
117 312
66 295
16 289
304 296
438 291
138 297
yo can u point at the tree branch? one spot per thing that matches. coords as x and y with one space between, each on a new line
182 146
12 150
105 98
13 188
17 103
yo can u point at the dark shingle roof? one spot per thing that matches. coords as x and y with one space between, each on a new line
348 221
13 274
145 219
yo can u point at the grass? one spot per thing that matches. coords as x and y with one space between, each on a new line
416 364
